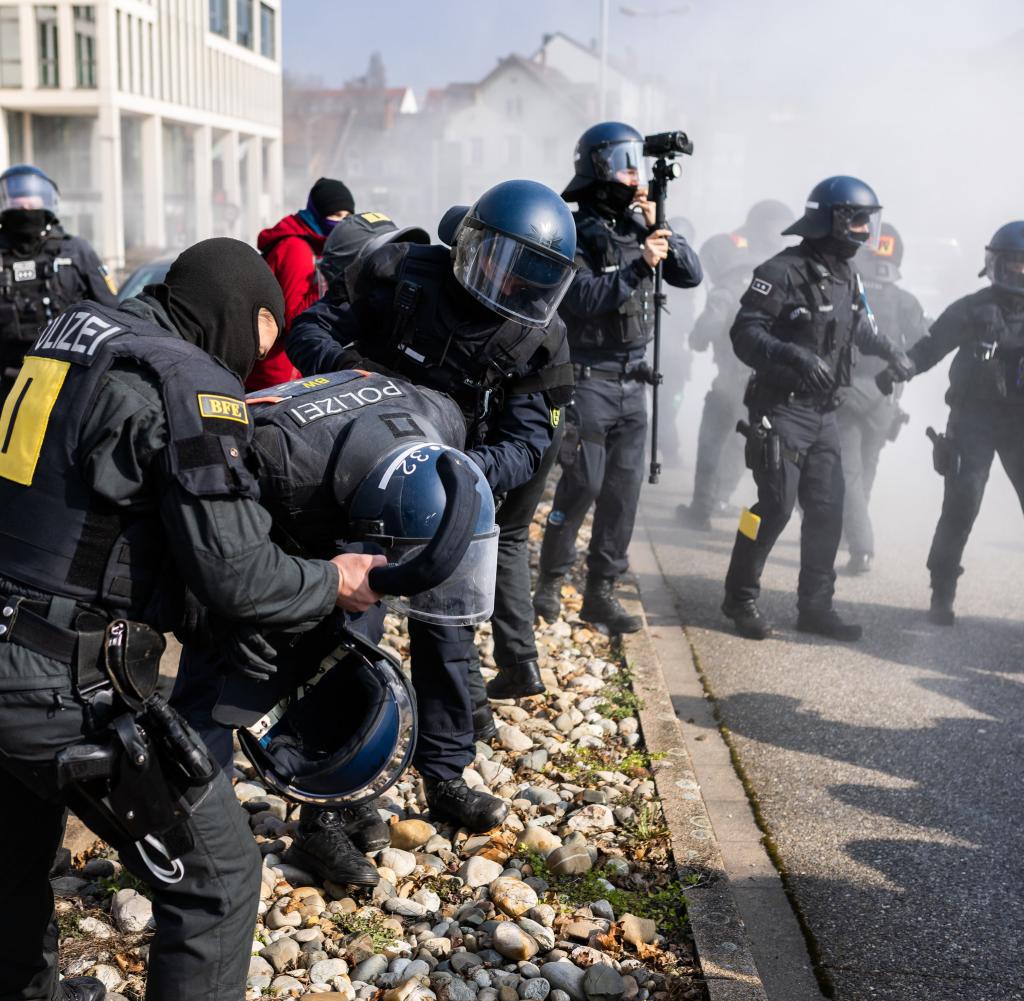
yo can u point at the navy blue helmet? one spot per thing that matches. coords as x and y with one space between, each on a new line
610 153
1004 258
840 207
514 250
26 187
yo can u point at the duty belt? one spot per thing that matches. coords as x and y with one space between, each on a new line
585 372
27 623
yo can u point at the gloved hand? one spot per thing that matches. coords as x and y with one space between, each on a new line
815 375
903 369
246 651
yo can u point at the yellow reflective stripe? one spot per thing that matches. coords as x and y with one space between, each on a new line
26 415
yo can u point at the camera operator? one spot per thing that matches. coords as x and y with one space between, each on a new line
610 312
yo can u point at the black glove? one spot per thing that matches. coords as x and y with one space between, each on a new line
815 375
903 369
885 381
246 651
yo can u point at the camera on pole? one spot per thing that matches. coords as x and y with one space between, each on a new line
664 147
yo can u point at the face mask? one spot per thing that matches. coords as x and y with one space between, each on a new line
613 198
26 226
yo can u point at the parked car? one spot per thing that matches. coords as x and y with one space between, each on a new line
146 274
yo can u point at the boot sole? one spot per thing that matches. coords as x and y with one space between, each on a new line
441 815
298 858
519 693
368 847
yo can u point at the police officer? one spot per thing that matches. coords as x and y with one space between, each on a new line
986 403
609 313
719 464
125 472
476 319
868 418
42 268
797 327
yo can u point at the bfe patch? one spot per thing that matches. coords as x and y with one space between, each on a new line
760 285
225 408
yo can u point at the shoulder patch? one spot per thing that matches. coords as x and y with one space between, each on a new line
226 408
760 285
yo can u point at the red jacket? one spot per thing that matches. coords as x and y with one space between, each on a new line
292 249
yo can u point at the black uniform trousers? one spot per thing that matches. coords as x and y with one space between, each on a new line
204 922
720 464
862 437
608 472
980 431
817 482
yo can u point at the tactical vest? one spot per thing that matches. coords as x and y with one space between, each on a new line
323 438
426 342
990 366
57 534
30 293
632 324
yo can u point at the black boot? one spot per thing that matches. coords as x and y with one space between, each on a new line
82 989
516 682
364 827
453 800
941 611
693 517
602 608
827 622
61 862
859 563
323 848
547 599
747 618
484 728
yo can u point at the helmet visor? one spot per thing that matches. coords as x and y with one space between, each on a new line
28 191
513 279
857 224
622 162
1005 269
465 598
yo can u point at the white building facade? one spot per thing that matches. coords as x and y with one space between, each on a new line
160 120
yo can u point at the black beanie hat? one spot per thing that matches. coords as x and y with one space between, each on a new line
329 196
213 293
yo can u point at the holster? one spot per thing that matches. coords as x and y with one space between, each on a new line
946 457
568 450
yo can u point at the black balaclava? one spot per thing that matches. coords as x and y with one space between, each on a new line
835 247
26 228
213 294
609 198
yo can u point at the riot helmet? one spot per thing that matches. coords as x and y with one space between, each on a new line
1004 258
513 250
609 153
721 257
26 187
764 226
340 726
431 510
882 263
357 236
843 209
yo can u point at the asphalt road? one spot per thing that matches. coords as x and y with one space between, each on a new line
890 773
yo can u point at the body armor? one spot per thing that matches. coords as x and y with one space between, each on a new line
59 535
632 324
325 436
990 365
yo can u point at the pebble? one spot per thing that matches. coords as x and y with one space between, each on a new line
513 739
638 931
602 909
479 871
535 989
564 976
249 790
513 896
259 967
542 935
131 911
512 942
68 886
405 907
282 954
430 900
592 818
570 861
463 962
369 969
95 928
109 976
326 970
400 862
286 986
602 983
456 990
409 834
539 840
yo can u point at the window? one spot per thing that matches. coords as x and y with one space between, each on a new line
243 25
268 43
46 23
15 135
219 17
10 47
85 46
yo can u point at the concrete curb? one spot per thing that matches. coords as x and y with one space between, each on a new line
718 930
